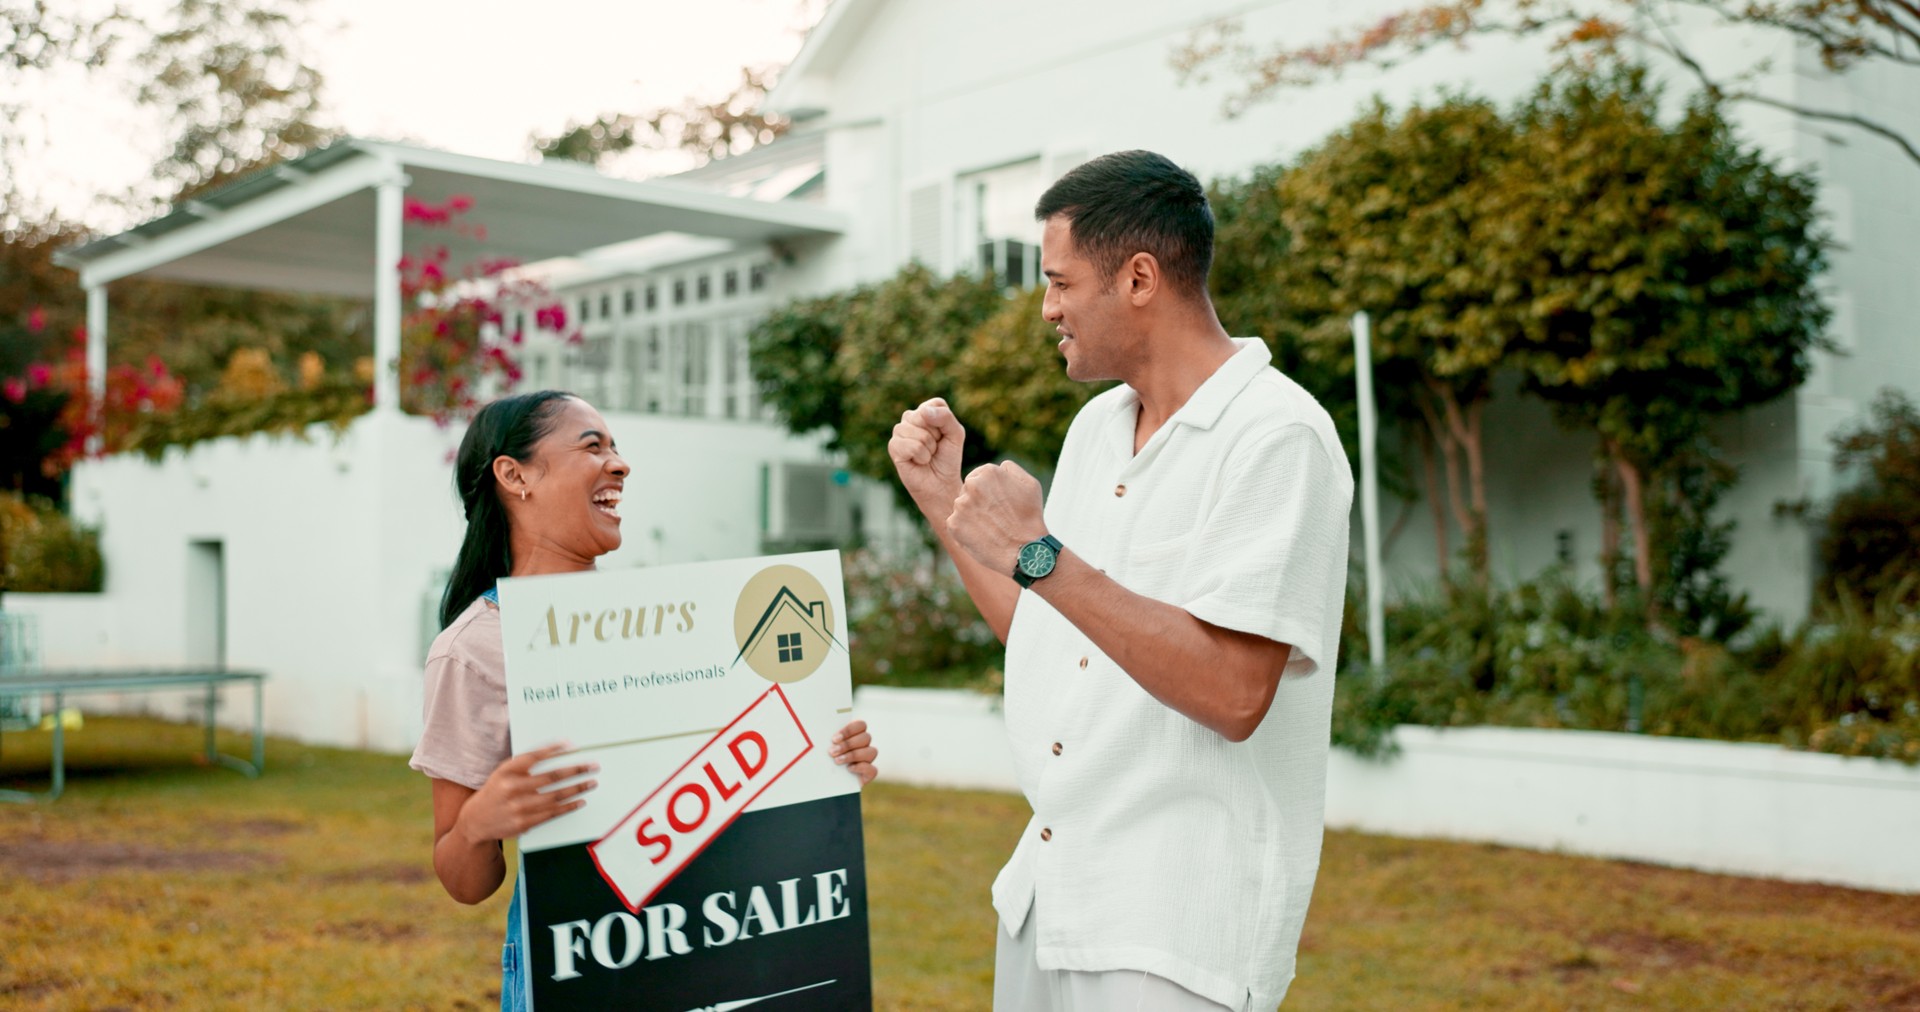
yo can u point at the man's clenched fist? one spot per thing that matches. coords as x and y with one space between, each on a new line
926 452
1000 508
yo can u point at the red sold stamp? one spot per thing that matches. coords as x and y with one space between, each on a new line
682 816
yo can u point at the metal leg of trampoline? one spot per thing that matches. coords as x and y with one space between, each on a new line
59 762
218 758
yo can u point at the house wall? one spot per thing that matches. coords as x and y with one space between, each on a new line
336 552
930 92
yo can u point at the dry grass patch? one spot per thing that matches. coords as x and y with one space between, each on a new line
157 883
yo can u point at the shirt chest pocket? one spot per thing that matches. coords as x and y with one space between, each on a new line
1157 568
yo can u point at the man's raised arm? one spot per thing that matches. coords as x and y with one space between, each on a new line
926 452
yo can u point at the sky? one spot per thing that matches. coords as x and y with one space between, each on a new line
475 77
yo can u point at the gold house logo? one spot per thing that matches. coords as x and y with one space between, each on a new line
784 624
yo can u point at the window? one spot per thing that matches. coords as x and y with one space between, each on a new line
679 291
630 357
732 284
626 302
789 648
996 221
695 349
704 287
606 305
757 277
585 304
653 297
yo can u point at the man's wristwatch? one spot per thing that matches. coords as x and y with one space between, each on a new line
1036 560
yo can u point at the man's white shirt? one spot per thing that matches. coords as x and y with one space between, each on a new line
1156 844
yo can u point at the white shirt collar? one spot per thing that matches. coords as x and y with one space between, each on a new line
1210 400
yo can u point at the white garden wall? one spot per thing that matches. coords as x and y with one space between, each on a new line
1741 809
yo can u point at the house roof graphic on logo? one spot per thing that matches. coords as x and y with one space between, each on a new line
785 602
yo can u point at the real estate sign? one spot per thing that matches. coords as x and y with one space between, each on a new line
719 864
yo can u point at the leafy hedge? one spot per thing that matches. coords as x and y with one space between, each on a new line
914 625
335 404
1544 654
45 552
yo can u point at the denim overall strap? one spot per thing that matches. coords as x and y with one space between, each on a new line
513 960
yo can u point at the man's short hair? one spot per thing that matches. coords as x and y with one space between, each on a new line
1136 202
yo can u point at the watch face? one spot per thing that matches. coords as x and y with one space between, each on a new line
1036 559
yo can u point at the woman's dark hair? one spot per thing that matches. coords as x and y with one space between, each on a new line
1136 202
506 427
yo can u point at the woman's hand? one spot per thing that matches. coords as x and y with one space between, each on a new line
514 799
853 748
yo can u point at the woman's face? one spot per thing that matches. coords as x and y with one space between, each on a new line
573 482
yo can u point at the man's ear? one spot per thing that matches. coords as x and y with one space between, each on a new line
1141 279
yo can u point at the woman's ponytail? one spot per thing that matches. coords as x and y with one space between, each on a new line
507 427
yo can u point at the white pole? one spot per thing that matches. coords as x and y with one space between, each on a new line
97 355
1370 492
386 294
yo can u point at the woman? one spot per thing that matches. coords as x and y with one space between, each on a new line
541 483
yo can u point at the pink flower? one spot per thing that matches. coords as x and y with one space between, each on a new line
459 203
36 319
16 390
38 374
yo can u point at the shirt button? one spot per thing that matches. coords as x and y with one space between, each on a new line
1119 490
1045 835
1083 664
1056 748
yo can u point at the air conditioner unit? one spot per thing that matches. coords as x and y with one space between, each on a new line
805 505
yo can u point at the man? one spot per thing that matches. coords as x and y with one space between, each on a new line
1171 613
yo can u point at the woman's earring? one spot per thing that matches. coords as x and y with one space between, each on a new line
523 495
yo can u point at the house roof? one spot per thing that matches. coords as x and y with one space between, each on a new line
799 94
309 225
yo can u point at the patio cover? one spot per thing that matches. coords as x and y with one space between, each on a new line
331 222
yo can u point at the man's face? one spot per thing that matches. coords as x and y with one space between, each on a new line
1089 311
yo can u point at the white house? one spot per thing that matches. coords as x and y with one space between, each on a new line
925 131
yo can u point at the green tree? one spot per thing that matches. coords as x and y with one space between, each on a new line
1011 384
1871 542
1389 216
901 345
1669 277
795 351
1845 34
852 362
1257 286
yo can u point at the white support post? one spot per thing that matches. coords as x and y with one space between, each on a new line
386 293
96 352
1370 492
97 341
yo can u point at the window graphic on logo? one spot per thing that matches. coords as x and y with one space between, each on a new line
784 624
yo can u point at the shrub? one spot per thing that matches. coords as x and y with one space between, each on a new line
1872 536
914 625
1011 384
335 403
1546 654
46 552
1850 682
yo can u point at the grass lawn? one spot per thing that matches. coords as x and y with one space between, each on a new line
157 883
